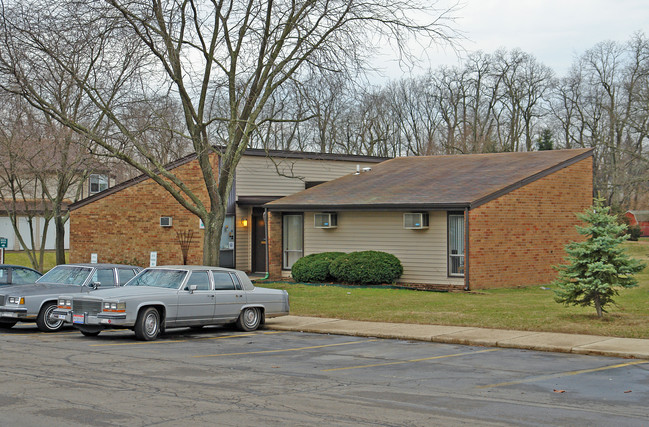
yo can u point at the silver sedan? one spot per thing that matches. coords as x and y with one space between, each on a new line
171 297
35 302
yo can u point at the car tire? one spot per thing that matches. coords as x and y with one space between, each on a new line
249 319
89 332
8 324
43 321
147 325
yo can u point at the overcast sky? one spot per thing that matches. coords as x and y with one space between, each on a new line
554 31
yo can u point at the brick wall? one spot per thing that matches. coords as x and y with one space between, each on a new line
516 239
125 226
275 245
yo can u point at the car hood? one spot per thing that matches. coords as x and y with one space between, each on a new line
41 289
132 291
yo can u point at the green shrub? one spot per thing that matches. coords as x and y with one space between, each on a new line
366 267
314 268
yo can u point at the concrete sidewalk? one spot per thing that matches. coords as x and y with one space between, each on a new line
541 341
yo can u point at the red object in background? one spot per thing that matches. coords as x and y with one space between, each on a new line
640 218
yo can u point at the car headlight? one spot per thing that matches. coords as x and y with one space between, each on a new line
116 307
64 303
16 300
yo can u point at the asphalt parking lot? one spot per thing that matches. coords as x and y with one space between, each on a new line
218 376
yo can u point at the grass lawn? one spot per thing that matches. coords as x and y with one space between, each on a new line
21 258
531 308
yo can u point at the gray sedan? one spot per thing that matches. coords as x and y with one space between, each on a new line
35 302
174 296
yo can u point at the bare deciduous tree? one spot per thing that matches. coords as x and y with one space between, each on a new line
241 52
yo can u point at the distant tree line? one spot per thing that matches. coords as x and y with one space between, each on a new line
492 102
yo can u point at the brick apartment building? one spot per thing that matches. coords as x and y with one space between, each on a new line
469 221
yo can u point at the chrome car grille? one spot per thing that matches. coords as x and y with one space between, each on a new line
84 306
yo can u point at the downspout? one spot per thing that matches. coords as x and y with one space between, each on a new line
466 249
267 244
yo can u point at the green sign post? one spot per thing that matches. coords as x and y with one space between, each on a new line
3 245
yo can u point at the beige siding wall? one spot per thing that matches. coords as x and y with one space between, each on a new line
258 176
422 252
243 242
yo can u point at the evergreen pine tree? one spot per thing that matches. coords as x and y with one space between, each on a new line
598 266
544 142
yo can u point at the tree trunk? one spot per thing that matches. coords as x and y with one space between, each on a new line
598 307
59 227
212 238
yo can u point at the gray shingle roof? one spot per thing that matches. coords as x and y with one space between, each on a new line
432 182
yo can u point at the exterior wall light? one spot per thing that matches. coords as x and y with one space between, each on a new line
244 222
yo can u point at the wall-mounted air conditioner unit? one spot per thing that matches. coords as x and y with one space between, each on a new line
325 220
165 221
415 220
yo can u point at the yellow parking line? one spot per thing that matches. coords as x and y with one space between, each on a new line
563 374
284 350
409 361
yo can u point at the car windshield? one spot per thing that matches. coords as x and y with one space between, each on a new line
171 279
66 275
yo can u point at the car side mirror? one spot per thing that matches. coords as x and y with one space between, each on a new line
95 285
192 288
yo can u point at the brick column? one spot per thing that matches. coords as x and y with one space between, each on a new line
274 245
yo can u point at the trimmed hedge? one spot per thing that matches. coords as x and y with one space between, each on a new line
366 268
314 268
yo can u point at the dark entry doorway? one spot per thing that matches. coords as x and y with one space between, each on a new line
258 241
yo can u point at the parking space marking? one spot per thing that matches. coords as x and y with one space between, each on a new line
285 349
177 341
409 361
563 374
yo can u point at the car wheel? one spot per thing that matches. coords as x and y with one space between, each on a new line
89 332
43 320
147 326
249 319
7 325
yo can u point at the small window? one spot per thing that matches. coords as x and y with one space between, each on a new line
222 281
104 276
237 282
4 275
21 276
200 279
292 240
456 244
98 183
125 274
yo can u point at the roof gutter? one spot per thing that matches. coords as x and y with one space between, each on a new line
368 207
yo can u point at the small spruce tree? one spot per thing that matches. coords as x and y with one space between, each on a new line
598 266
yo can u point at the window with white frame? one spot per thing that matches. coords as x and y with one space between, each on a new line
98 183
292 239
456 244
